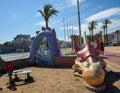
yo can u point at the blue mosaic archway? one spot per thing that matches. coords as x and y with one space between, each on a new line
44 46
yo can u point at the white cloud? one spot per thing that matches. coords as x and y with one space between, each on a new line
61 7
42 23
69 27
76 29
70 3
115 25
52 23
38 14
84 28
104 14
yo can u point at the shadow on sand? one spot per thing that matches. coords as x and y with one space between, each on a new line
15 83
111 78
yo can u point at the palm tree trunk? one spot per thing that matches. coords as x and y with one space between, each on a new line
72 43
46 23
106 36
92 35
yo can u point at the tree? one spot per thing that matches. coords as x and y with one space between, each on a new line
47 12
92 26
104 27
106 22
90 37
73 37
99 34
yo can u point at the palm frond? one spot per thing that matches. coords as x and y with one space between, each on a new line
41 12
52 12
47 12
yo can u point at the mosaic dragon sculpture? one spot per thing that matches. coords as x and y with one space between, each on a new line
89 64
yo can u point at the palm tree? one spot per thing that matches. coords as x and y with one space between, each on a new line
89 28
106 22
88 37
47 12
73 37
92 26
104 27
99 34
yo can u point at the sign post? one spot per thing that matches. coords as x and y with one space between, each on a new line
9 69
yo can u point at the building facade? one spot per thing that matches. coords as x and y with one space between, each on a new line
114 38
21 43
21 38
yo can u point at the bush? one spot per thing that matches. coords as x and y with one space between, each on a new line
71 53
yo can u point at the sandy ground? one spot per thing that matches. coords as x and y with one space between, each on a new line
47 80
115 49
56 80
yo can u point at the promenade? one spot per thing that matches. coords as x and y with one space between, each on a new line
112 58
112 55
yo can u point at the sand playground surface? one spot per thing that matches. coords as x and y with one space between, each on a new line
56 80
47 80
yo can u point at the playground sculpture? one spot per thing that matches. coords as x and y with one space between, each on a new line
46 52
90 65
44 46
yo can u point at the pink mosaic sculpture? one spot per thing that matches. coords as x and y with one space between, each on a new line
89 63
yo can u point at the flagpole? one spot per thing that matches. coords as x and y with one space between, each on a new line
64 33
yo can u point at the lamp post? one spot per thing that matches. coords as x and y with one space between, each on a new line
80 43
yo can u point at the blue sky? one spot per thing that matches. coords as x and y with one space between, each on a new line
21 16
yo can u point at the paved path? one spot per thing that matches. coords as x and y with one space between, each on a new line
113 58
14 56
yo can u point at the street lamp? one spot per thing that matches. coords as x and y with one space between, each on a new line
80 43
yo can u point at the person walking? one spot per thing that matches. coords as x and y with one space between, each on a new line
102 48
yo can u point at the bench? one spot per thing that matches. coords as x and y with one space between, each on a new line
21 72
28 78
